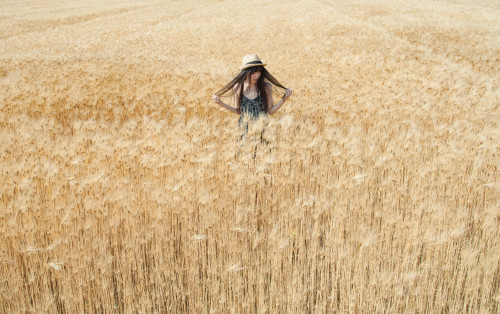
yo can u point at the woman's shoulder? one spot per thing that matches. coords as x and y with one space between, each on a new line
268 87
236 89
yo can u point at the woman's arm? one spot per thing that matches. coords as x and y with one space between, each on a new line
271 108
217 100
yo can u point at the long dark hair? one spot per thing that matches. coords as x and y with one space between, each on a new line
238 82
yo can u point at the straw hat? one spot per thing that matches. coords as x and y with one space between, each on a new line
251 61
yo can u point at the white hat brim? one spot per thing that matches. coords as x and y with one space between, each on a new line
252 65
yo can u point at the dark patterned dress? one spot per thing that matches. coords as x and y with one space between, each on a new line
251 109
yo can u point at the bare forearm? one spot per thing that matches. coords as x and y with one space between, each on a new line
277 106
230 108
216 99
274 108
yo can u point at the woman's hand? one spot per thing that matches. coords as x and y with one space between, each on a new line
288 93
216 99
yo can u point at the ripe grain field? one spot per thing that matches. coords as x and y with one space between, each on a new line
124 189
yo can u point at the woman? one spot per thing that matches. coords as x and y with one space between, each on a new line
252 90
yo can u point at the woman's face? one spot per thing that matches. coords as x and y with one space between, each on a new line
254 77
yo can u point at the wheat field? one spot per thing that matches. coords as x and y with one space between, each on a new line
123 188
